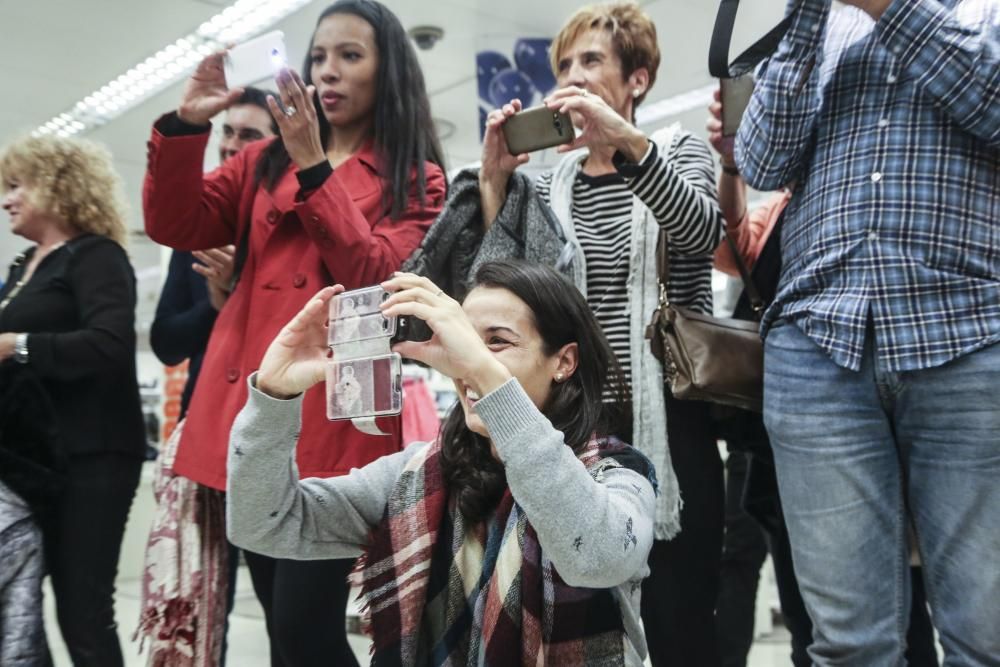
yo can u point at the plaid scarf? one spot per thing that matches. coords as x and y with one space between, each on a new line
439 592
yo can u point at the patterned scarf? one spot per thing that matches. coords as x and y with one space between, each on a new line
438 592
185 578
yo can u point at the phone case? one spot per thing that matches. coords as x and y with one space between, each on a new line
735 95
537 128
356 316
256 60
369 387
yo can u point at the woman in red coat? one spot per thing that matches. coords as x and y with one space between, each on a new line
343 196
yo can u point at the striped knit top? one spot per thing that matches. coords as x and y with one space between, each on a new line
679 189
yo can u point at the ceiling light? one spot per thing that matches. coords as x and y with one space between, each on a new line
240 20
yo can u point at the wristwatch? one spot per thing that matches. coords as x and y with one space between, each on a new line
21 348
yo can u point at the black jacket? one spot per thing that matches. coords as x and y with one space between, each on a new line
184 320
32 462
78 310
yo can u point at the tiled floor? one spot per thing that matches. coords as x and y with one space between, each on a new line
248 639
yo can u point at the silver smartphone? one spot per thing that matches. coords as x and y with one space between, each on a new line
256 60
735 95
537 128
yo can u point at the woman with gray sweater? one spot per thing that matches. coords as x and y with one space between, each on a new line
521 535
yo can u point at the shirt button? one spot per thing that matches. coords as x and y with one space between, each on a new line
232 375
891 78
876 177
299 280
884 122
872 236
272 216
814 27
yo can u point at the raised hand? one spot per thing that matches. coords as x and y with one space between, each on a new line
455 349
601 127
297 357
297 121
498 163
723 145
206 93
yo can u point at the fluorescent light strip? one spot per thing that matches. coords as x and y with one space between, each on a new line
173 62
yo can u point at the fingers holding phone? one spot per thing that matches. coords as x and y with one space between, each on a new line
297 357
723 144
498 161
598 123
206 92
297 120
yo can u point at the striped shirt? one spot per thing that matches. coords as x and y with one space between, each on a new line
680 192
892 131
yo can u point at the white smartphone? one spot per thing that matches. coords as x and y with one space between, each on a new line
256 60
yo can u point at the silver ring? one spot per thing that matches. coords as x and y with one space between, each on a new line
584 92
290 111
439 292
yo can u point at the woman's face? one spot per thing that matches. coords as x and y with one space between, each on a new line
344 69
591 62
507 326
25 219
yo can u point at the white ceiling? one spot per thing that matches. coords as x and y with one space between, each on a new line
54 52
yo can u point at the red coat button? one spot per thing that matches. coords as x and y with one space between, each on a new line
272 216
299 280
232 375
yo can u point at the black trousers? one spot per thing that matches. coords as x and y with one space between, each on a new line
83 536
743 553
678 597
305 608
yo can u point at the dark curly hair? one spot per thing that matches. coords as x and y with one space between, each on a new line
594 400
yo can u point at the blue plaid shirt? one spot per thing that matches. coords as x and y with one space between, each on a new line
891 132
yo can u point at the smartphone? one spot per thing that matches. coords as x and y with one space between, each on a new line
735 94
256 60
537 128
369 387
356 316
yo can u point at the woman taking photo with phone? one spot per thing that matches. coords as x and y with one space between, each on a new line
344 194
613 192
520 536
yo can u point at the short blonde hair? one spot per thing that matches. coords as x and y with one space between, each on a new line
72 179
633 35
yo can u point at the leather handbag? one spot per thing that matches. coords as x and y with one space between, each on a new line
707 358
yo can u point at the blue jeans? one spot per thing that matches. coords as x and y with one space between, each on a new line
858 454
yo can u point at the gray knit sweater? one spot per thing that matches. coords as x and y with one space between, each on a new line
596 531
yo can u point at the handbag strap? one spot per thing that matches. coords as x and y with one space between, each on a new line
718 51
663 271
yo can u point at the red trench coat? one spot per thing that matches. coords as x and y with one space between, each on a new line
338 233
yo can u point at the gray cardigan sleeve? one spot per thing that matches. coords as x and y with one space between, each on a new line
596 530
269 511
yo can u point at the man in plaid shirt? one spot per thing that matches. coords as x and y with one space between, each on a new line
882 354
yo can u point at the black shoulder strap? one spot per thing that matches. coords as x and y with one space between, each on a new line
718 52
